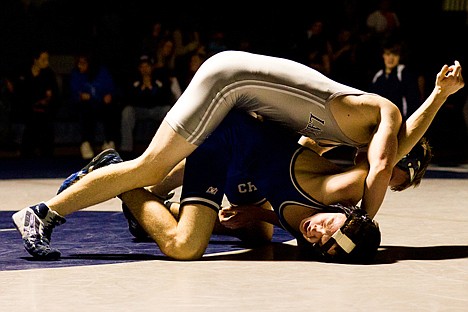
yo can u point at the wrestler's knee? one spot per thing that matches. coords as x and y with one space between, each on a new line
183 248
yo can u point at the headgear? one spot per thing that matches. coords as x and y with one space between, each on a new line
411 163
358 239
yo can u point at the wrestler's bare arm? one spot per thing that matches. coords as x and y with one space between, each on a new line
448 81
381 155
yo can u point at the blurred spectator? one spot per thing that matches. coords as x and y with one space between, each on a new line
36 94
216 42
383 22
397 82
344 68
165 66
314 48
187 37
94 95
6 95
188 68
165 56
149 97
150 42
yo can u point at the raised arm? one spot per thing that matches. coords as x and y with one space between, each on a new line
448 81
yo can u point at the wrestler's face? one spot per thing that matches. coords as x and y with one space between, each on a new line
319 227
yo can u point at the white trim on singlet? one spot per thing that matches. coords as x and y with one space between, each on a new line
199 199
297 187
282 219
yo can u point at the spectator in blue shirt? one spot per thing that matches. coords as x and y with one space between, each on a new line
93 92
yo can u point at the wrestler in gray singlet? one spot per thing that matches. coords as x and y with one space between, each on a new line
280 90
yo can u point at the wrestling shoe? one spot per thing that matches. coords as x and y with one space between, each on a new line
35 225
105 158
133 226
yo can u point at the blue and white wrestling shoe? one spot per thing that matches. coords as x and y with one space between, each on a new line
105 158
133 226
35 225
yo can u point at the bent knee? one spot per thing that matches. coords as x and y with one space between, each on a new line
181 249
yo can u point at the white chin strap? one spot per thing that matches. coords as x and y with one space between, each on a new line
343 241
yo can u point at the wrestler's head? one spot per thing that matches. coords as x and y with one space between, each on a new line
347 235
410 169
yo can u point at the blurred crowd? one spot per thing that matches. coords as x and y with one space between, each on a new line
115 65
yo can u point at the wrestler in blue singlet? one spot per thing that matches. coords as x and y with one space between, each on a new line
248 160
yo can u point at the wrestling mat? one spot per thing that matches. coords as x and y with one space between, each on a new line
102 237
99 237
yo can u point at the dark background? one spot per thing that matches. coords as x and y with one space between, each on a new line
433 36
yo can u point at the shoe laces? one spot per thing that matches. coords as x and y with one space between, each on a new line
49 224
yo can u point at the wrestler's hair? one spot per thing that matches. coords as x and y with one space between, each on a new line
425 159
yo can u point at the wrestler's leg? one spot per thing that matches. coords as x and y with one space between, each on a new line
168 147
173 180
182 239
165 151
192 115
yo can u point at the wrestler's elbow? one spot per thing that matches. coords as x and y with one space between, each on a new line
382 169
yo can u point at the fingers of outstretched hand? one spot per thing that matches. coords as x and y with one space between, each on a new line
450 78
457 72
454 70
444 71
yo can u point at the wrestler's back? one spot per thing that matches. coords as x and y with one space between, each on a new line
280 90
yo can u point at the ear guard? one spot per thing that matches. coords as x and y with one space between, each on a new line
411 162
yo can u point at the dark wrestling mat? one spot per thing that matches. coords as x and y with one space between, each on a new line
97 237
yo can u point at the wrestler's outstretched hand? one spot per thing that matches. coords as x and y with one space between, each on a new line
449 80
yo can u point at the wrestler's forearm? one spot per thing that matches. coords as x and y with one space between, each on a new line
374 191
448 81
381 156
414 128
